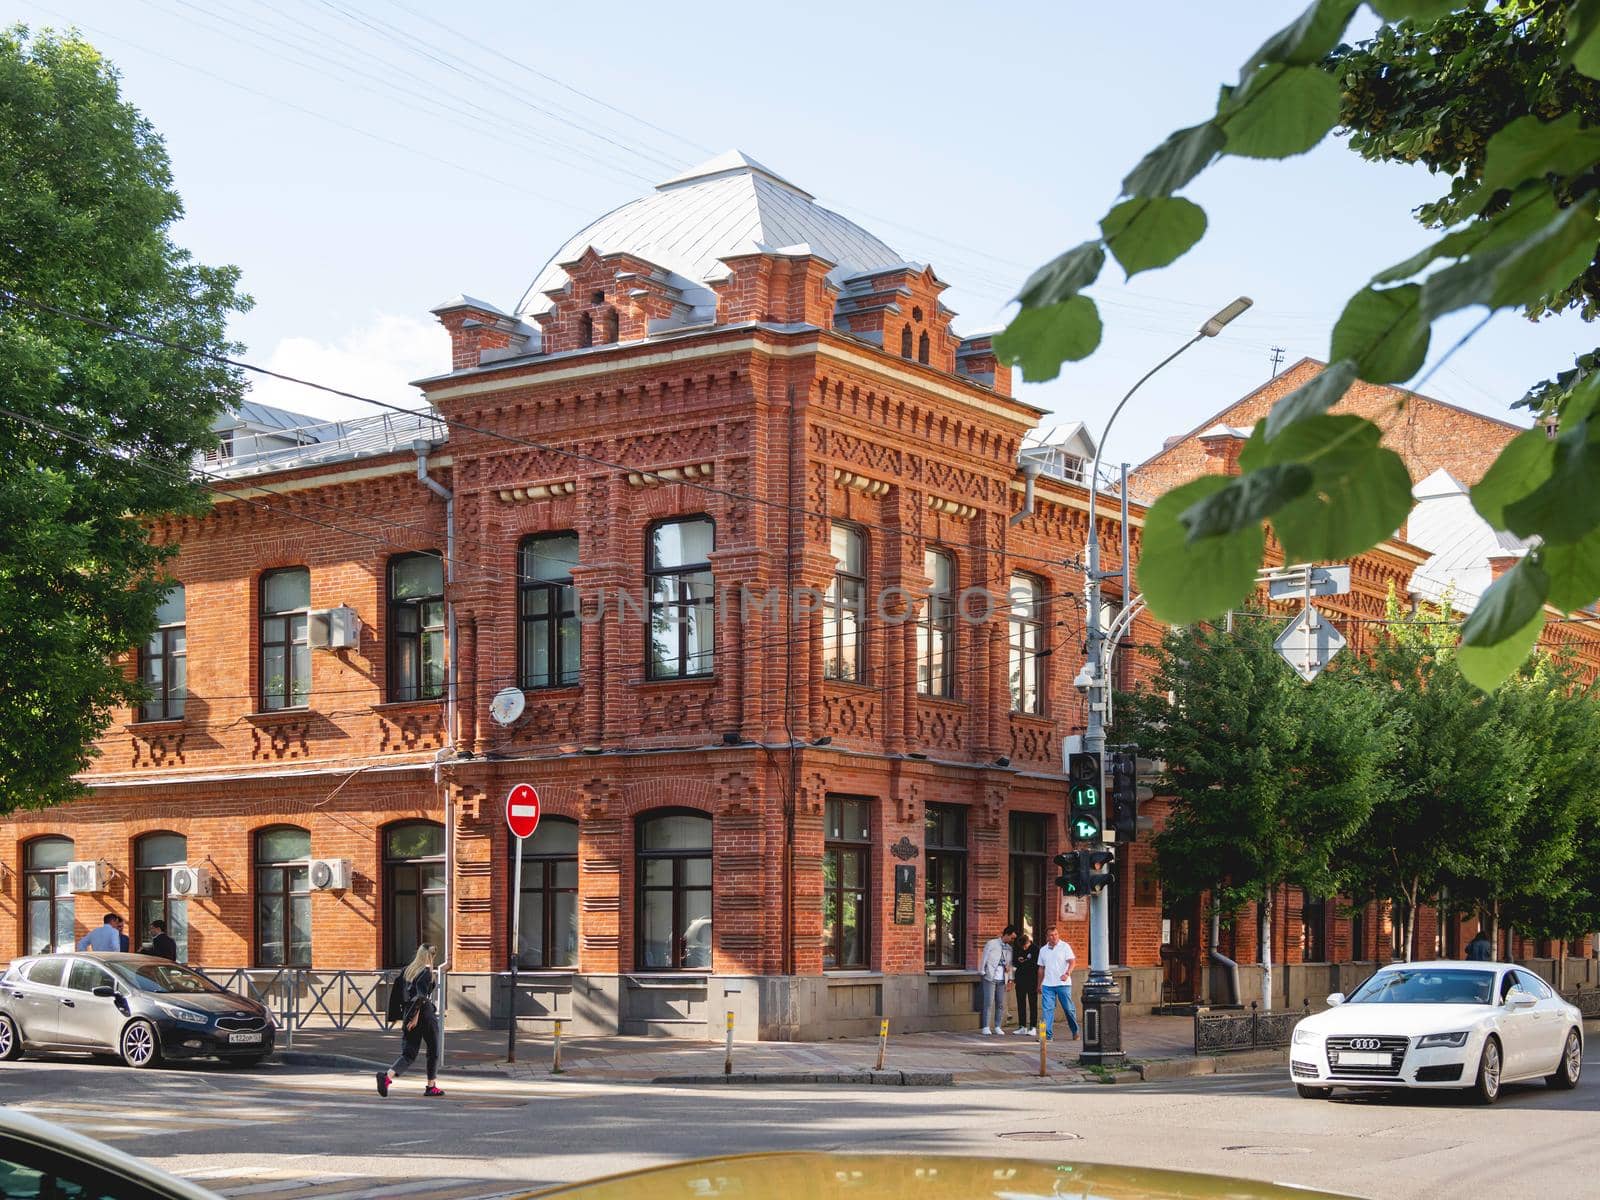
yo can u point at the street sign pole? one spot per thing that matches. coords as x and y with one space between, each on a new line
522 818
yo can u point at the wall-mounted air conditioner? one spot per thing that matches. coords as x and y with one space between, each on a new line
189 882
88 876
330 874
334 628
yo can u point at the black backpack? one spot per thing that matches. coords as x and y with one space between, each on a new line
399 997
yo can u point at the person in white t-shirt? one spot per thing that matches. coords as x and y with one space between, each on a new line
1056 961
995 973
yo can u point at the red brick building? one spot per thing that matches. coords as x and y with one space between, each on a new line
737 517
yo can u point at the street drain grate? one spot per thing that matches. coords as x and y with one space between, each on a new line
1267 1151
1041 1135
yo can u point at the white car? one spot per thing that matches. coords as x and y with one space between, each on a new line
1472 1025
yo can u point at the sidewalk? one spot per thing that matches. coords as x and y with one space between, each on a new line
920 1059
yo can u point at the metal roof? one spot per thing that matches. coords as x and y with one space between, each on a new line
1459 541
729 205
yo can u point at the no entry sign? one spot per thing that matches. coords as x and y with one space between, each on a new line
522 810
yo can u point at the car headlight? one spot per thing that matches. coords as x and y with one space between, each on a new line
1442 1039
1304 1037
183 1014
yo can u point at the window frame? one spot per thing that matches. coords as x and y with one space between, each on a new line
935 853
1026 663
548 888
285 891
141 916
835 606
1313 928
165 705
391 890
284 622
678 888
937 622
1016 861
837 848
655 573
408 644
561 604
55 883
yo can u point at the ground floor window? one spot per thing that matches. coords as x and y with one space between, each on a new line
414 889
547 926
945 898
49 916
846 866
1028 911
283 898
674 892
155 854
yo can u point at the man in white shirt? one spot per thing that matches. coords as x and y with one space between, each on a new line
1056 961
995 972
107 939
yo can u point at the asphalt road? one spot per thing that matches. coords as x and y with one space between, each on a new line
273 1134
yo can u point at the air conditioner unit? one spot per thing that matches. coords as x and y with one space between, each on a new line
330 874
334 628
189 882
90 875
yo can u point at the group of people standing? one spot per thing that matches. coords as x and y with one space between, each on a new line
111 938
1041 972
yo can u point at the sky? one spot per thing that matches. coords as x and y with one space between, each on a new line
363 161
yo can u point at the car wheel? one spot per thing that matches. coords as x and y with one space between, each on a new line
1566 1075
140 1045
1307 1092
1487 1089
10 1040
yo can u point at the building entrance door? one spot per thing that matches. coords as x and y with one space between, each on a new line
1179 919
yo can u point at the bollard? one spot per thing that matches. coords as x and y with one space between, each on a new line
727 1056
883 1040
555 1052
1044 1061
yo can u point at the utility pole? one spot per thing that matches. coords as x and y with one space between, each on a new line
1277 360
1102 1014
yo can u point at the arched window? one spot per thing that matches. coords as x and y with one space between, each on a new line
283 897
49 905
905 341
547 930
1027 645
683 633
285 644
416 627
844 608
585 331
154 856
550 641
922 347
936 631
413 870
163 662
608 327
673 890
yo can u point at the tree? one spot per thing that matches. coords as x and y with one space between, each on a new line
1523 232
1269 777
86 205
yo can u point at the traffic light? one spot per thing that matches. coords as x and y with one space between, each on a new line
1085 812
1070 880
1123 790
1092 877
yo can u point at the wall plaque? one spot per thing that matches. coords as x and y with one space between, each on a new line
905 895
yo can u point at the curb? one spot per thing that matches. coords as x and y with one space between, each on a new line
317 1058
881 1078
1185 1068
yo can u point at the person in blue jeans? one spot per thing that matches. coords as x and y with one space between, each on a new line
1056 961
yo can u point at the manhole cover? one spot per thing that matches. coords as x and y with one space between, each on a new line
1041 1135
1267 1151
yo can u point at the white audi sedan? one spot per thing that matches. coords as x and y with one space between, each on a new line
1465 1025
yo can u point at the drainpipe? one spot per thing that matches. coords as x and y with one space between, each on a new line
1030 472
1217 956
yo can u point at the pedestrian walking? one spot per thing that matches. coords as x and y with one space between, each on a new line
1025 975
107 939
161 943
1056 961
994 972
420 1021
1480 948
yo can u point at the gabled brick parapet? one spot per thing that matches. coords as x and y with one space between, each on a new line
480 333
787 287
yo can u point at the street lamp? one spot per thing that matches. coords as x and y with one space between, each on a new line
1102 1016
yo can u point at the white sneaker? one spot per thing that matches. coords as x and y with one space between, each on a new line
986 1032
1023 1031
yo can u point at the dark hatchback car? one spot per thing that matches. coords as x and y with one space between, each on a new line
140 1008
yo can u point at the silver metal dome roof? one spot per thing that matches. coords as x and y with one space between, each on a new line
727 206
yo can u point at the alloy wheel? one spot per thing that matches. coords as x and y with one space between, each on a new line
8 1038
138 1044
1491 1069
1574 1056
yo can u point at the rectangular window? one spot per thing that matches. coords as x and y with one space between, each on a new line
1313 929
682 599
945 902
285 648
416 627
1358 936
547 604
844 609
1028 862
936 631
547 927
163 661
1027 645
846 915
673 885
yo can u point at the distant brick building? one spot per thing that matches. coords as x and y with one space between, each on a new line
736 516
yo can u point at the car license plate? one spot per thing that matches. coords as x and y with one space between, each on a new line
1365 1058
244 1037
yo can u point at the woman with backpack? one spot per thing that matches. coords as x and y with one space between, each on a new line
420 1021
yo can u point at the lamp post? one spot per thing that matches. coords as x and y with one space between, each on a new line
1102 1019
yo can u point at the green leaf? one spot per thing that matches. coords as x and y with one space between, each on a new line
1511 602
1529 148
1247 500
1063 276
1574 571
1041 339
1308 39
1149 232
1531 208
1488 666
1384 332
1565 507
1312 398
1421 11
1582 398
1583 37
1527 461
1523 272
1281 111
1186 581
1176 161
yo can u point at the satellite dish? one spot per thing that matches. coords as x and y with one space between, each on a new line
507 705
